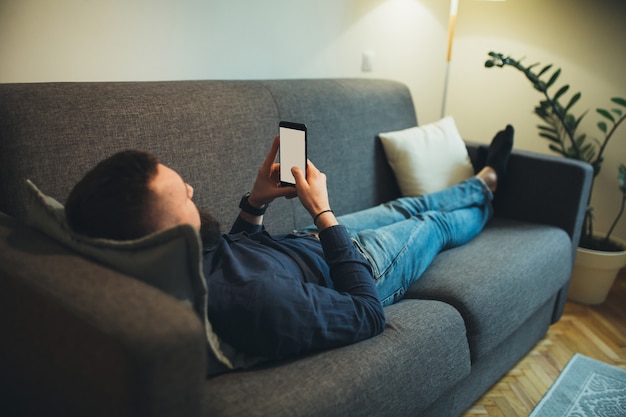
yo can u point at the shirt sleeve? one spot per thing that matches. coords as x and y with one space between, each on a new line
352 277
240 225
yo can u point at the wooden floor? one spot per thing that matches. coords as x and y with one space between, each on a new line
595 331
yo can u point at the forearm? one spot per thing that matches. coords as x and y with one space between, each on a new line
349 270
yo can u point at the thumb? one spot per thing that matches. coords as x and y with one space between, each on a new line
298 174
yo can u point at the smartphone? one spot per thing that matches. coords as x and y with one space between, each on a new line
292 150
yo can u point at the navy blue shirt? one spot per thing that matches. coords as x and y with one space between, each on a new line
277 296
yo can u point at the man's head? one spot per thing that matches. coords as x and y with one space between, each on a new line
130 195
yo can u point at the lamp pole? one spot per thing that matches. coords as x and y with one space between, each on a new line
454 7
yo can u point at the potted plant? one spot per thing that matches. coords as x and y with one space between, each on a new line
560 128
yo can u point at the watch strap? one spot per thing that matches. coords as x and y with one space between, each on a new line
245 206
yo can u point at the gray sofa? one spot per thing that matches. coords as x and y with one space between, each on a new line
79 339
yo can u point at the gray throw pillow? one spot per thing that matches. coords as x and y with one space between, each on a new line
170 260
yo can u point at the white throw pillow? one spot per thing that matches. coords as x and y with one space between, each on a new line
170 260
427 158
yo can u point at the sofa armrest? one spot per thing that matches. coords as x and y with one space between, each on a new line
543 189
80 339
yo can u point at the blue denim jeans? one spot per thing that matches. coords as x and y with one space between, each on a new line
401 238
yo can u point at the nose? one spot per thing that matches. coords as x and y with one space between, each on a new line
190 191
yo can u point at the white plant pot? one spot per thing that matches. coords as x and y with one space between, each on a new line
594 273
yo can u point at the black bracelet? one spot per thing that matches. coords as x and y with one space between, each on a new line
319 214
246 207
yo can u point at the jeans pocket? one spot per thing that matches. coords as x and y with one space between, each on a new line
369 259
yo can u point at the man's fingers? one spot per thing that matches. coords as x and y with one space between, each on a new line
298 174
271 155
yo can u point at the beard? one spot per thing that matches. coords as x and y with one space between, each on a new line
210 231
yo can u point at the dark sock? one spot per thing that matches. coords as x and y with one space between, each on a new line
500 150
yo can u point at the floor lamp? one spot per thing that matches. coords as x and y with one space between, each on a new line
454 8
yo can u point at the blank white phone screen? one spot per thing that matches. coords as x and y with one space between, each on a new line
292 153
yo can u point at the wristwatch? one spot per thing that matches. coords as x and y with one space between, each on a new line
245 206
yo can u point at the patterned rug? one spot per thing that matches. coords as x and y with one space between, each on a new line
585 388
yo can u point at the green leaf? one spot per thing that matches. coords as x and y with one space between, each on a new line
556 75
571 153
573 101
588 152
550 137
602 126
619 100
562 91
543 71
580 119
548 129
545 104
544 110
599 162
606 114
570 122
558 150
580 140
617 112
543 113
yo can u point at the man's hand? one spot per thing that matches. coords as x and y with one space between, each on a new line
313 195
267 184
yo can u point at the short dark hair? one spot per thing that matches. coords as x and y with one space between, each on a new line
113 200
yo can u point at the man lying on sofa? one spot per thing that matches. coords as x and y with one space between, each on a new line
276 296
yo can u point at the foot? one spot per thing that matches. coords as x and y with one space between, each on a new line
500 151
490 177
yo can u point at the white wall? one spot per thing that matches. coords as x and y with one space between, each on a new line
111 40
94 40
587 39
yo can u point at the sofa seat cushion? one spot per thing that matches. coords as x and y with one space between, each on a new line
422 353
493 280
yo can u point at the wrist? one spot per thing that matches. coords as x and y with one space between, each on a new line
320 214
254 202
325 219
251 206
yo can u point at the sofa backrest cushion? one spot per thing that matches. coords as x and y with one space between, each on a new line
214 133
